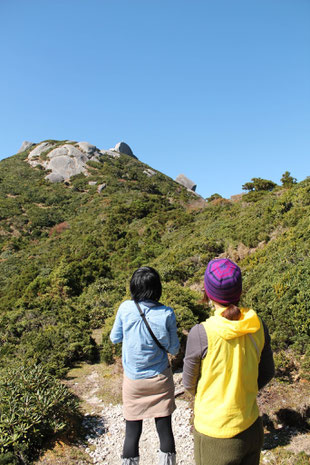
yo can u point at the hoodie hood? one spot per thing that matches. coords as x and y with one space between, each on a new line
230 329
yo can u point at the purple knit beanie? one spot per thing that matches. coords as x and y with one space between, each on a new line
223 281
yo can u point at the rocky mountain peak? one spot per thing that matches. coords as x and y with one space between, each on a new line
69 158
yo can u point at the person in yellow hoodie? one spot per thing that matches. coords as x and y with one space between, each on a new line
227 359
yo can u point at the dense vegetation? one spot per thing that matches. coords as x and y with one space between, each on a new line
34 405
67 252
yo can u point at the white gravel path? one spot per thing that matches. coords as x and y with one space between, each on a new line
107 434
106 427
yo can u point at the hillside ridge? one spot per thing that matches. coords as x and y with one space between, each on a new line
67 250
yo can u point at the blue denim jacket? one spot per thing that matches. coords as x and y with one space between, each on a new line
141 356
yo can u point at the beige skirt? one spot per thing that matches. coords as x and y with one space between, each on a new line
148 397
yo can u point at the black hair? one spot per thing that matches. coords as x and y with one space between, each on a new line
145 284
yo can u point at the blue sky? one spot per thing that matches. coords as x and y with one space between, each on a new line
218 90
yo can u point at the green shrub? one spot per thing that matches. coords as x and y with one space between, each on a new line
214 197
288 180
33 407
109 351
58 347
259 184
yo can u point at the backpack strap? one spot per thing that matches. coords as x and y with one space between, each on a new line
255 345
149 328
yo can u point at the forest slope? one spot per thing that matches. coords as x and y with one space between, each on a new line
67 252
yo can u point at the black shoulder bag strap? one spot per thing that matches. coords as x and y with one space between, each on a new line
149 328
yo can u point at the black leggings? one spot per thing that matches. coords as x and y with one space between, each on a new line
134 430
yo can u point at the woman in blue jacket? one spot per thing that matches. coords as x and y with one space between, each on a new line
148 389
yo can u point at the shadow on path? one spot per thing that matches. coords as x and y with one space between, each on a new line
95 426
291 423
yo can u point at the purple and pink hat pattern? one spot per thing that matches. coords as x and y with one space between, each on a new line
223 281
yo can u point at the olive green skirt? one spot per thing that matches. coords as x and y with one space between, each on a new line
242 449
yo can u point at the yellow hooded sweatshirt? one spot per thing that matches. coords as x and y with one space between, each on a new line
225 402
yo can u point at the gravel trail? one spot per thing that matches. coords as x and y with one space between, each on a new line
107 433
106 427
